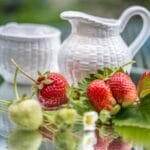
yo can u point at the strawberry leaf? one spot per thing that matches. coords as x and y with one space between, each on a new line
144 92
139 136
82 106
102 74
144 107
130 117
144 85
78 100
135 115
107 72
39 73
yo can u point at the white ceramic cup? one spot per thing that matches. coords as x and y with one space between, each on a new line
34 47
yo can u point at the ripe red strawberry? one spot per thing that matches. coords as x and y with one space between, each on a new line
52 90
50 87
100 95
102 142
123 89
119 144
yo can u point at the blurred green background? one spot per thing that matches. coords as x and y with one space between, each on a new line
47 12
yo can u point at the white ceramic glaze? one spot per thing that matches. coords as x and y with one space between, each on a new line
95 43
34 47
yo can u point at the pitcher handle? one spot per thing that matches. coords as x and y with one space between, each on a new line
145 32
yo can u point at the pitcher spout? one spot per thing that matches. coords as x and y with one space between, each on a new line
76 15
88 25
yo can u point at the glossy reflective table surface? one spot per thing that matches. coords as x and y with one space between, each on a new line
20 140
119 139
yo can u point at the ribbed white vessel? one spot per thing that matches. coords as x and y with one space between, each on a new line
96 43
34 47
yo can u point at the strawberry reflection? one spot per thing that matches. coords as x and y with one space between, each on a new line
89 140
94 141
119 144
66 140
102 142
24 140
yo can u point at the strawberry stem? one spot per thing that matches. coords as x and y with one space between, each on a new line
22 71
49 129
131 62
118 69
3 110
5 102
15 84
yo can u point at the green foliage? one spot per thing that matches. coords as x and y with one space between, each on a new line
78 101
144 85
144 107
44 11
139 136
135 116
82 106
34 11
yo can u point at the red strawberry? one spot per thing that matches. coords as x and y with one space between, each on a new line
50 87
123 89
52 90
102 142
100 95
119 144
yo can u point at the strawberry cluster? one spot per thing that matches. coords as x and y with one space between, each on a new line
109 92
117 89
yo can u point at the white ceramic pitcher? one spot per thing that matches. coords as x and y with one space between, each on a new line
95 42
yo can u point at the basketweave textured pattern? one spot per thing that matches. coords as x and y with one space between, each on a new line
96 43
31 55
81 55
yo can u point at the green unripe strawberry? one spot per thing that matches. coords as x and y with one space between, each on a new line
105 116
24 140
66 115
26 114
